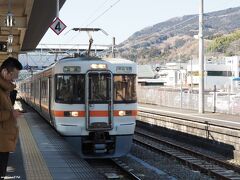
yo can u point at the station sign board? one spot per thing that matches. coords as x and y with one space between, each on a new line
57 26
3 46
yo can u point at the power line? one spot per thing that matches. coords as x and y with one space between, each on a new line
96 17
103 13
171 29
95 11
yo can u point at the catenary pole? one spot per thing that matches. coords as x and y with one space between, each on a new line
201 60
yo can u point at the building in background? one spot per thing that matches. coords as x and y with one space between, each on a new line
222 73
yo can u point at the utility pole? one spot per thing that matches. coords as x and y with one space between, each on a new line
57 8
201 61
113 47
191 75
180 75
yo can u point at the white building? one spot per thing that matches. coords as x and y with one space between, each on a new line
173 74
223 74
145 72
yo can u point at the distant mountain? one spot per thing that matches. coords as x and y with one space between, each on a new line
174 38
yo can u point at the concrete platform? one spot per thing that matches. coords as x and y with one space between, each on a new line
43 154
227 120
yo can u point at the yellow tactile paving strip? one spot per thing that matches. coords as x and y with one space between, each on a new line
35 166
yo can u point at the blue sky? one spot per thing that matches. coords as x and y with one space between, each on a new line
124 18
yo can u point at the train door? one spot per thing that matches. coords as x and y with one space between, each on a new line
40 96
34 91
50 99
99 100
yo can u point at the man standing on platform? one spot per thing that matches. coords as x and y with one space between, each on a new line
9 71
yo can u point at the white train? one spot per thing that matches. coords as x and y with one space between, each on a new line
91 102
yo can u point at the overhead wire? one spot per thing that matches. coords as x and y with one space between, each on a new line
90 16
95 11
170 29
104 12
167 30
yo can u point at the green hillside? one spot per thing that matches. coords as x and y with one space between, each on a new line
221 44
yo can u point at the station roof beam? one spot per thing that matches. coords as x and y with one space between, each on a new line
30 21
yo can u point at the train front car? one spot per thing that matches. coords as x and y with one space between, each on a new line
95 105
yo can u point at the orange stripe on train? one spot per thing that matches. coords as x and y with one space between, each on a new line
94 113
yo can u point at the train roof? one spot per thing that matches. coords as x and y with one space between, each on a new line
112 62
91 59
115 65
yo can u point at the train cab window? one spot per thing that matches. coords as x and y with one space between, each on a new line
125 88
99 87
70 89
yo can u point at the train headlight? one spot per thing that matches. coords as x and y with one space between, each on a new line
122 113
71 113
74 114
98 66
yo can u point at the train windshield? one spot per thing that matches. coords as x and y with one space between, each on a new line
99 87
125 88
70 89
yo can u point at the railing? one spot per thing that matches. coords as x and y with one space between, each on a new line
223 102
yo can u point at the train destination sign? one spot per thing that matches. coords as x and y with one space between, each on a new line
57 26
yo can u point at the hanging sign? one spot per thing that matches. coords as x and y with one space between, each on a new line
3 46
57 26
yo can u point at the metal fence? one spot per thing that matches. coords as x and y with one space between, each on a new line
223 102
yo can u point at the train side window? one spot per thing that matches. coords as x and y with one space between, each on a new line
44 92
31 89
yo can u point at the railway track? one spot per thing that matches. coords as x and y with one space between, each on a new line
113 169
195 160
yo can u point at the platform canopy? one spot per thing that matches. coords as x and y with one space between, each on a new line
23 23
